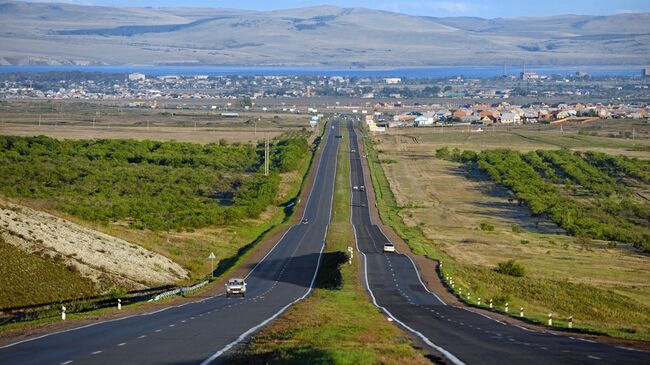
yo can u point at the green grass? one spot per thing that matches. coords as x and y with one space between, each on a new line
27 278
336 324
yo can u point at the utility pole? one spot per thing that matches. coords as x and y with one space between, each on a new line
266 156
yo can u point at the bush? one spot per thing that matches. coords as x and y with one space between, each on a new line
516 228
487 227
511 268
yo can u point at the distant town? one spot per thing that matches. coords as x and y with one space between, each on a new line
386 102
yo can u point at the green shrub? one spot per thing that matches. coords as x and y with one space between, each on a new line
516 228
487 227
511 268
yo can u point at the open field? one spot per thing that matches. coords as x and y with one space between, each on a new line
440 207
82 120
528 137
336 324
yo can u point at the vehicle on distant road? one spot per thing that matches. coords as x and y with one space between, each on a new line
355 187
389 247
236 286
362 188
304 221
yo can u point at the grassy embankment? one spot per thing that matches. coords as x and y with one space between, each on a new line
336 324
438 208
54 281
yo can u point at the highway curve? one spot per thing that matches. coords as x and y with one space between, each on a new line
457 334
202 331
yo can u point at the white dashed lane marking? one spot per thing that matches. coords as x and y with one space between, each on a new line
593 357
121 344
97 352
66 362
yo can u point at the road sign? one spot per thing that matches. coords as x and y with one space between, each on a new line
212 257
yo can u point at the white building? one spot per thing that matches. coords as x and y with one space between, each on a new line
510 118
137 77
392 80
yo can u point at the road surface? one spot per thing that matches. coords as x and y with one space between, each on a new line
458 334
201 332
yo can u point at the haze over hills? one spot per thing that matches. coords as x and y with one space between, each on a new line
65 34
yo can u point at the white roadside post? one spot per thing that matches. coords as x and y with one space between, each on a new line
490 303
212 257
570 324
119 304
506 307
63 313
351 251
479 301
521 312
468 296
550 319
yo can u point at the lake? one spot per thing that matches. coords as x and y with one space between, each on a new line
423 72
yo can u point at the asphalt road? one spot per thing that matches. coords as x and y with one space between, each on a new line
201 332
457 334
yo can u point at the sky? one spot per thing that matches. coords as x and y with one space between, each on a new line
478 8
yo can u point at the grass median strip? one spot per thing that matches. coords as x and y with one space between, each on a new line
336 324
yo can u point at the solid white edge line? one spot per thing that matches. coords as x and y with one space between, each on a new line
384 233
266 321
170 307
441 350
283 309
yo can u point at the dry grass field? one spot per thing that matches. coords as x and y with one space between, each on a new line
81 120
447 205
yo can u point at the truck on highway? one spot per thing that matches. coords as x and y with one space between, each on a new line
236 286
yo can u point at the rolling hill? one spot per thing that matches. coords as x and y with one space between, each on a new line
61 34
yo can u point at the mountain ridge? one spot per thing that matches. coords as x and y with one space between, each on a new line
68 34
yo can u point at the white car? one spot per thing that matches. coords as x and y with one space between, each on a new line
355 187
389 247
236 286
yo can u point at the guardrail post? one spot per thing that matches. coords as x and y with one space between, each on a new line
460 292
479 301
550 319
490 303
570 324
506 307
119 304
521 312
63 313
468 296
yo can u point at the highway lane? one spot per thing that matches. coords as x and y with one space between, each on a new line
460 335
202 331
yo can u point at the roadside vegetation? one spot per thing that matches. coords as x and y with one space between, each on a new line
496 238
336 324
153 185
181 200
